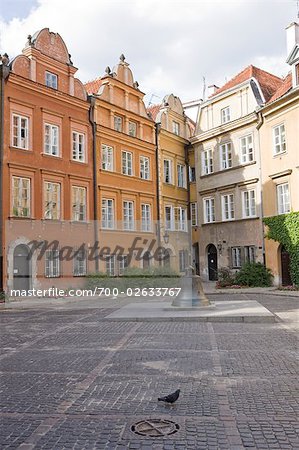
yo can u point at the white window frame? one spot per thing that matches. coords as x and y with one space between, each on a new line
279 140
127 163
107 158
207 161
249 203
168 171
51 80
77 212
236 254
144 162
246 149
181 175
18 204
209 209
20 132
50 202
226 159
180 218
176 127
228 207
193 214
128 215
283 198
51 148
80 263
249 253
169 223
52 264
118 123
225 115
132 128
107 213
78 146
146 224
110 265
122 263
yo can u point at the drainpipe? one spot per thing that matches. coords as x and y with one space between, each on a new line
4 72
186 149
157 131
259 125
95 185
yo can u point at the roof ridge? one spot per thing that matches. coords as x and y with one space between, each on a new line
268 73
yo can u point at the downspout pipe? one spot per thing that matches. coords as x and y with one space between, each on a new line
95 184
4 73
157 131
260 123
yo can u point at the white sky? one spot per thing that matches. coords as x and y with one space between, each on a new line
170 44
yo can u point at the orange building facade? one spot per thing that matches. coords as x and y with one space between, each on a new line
47 163
125 171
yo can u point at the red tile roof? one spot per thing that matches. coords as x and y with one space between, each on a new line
284 87
153 110
92 87
269 83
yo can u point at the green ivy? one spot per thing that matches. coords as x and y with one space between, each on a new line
285 229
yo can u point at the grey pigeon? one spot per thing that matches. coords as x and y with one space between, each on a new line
171 398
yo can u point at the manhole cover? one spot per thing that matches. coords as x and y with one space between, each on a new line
155 427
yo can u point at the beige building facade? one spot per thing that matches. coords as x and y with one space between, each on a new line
228 172
279 137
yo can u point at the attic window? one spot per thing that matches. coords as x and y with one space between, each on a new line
51 80
225 115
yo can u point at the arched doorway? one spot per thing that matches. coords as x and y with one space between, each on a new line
212 262
285 267
21 267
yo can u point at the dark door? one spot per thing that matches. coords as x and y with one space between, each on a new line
212 262
21 268
285 268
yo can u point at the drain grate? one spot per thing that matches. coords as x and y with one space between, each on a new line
155 427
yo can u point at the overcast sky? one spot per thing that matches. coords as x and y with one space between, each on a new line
170 44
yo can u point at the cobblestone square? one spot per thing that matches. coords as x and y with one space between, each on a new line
71 380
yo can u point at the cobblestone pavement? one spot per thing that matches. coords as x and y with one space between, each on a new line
71 380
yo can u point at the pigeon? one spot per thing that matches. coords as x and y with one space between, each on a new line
171 398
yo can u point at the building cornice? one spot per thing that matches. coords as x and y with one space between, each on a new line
225 128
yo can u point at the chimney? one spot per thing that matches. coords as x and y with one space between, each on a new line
292 36
212 89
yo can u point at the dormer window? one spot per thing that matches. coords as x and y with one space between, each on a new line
51 80
225 115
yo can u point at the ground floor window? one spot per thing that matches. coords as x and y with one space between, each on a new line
52 264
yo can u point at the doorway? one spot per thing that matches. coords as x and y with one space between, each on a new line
212 262
285 267
195 258
21 268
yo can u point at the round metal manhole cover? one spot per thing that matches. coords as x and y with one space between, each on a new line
155 427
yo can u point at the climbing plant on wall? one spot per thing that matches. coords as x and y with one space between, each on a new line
285 229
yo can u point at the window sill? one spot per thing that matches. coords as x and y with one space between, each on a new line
51 156
239 166
276 155
78 162
21 148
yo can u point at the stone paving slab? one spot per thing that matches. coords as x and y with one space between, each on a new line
238 311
